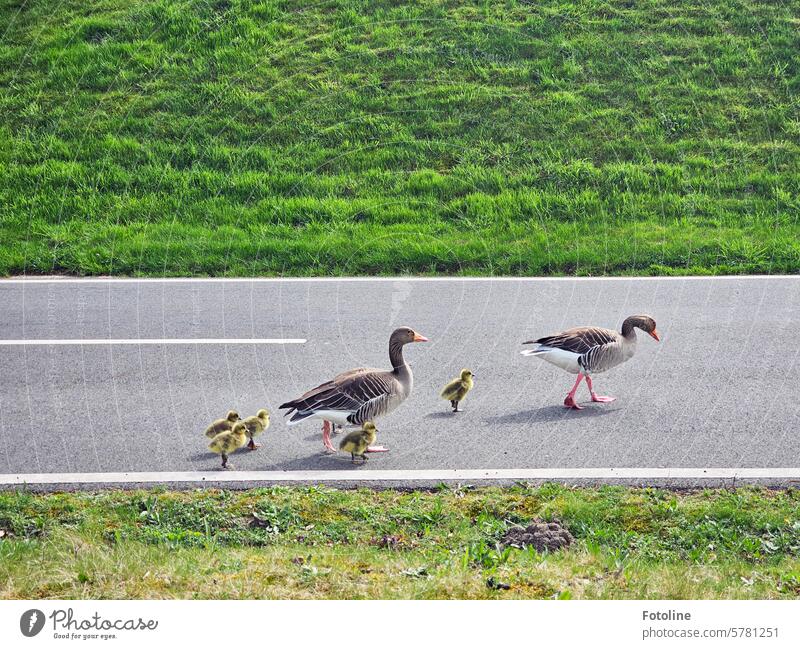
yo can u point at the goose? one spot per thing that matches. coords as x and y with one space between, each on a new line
256 425
222 425
359 395
457 389
226 443
357 442
590 350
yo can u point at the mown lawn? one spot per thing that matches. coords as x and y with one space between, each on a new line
324 543
238 137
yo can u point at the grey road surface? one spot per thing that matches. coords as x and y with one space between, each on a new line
722 389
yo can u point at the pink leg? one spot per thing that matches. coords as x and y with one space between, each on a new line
597 397
326 435
569 402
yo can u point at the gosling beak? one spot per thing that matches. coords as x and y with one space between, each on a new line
419 338
654 334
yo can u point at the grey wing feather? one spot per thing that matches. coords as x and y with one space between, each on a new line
349 391
580 339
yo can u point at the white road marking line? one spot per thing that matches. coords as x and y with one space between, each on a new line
407 476
503 278
155 341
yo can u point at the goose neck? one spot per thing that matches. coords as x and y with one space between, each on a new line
396 356
629 329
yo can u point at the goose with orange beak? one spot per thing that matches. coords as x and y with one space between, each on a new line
359 395
590 350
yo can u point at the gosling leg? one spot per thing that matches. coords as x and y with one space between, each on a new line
252 445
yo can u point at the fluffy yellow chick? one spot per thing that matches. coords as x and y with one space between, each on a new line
226 443
357 442
457 389
255 426
222 425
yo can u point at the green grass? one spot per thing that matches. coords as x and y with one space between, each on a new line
237 137
324 543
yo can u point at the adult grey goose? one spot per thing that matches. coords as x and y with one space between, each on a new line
359 395
590 350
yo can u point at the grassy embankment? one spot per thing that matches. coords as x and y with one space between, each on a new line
235 137
322 543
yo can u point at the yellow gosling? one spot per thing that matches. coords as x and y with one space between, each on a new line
457 389
226 443
255 426
357 442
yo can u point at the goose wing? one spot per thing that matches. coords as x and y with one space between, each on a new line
358 393
579 340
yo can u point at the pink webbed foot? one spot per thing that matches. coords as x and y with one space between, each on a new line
570 402
377 449
326 436
596 397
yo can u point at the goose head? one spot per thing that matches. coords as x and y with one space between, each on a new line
643 322
466 375
405 335
232 416
263 414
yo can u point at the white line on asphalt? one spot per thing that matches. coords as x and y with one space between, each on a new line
407 476
213 280
155 341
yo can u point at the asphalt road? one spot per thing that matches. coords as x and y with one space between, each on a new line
722 389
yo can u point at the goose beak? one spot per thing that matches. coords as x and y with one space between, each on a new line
419 338
654 334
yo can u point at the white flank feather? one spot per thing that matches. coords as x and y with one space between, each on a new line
336 416
562 358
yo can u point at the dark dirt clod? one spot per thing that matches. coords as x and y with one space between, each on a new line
255 521
388 541
540 534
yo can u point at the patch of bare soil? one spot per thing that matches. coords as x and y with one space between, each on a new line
540 534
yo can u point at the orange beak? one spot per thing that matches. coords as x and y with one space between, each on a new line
654 334
419 338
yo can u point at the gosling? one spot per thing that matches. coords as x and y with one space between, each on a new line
226 443
357 442
222 425
255 426
457 389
